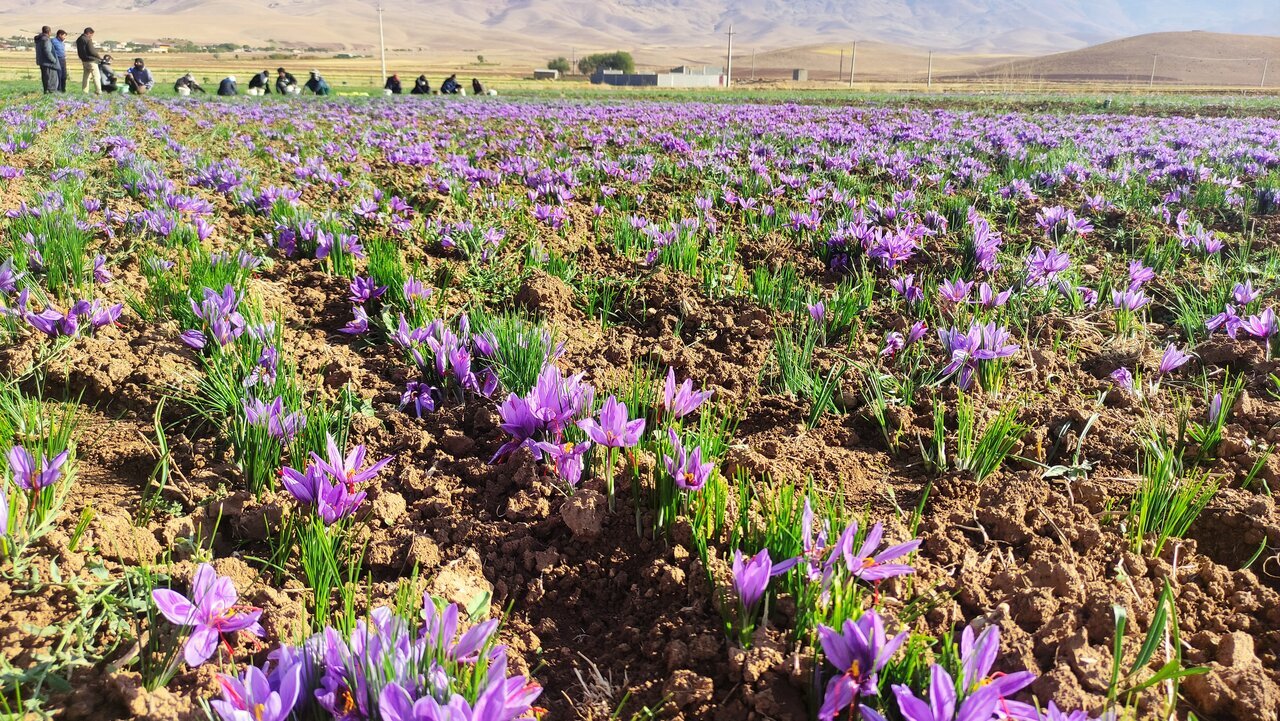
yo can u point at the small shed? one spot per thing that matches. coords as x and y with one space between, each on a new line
546 74
800 74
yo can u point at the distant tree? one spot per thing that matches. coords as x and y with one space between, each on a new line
480 59
617 60
561 64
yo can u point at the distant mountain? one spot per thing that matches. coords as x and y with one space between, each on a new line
1186 58
987 26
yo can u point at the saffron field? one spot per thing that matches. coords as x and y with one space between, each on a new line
483 410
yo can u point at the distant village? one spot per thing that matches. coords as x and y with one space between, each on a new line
175 45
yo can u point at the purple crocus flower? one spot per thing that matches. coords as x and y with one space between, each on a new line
1172 360
989 299
680 401
211 611
420 396
907 288
1139 274
8 277
415 290
348 470
280 425
364 290
568 459
893 343
613 429
751 577
817 311
1227 319
942 701
1264 325
977 657
685 466
33 475
519 422
1129 300
868 565
100 272
252 697
1045 266
332 499
358 324
858 651
1244 294
955 291
1123 378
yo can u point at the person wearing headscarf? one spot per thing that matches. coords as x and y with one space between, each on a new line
317 84
227 87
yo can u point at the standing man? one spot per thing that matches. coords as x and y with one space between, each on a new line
45 60
60 52
89 58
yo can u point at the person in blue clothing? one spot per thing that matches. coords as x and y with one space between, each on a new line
139 78
450 86
45 60
60 52
228 87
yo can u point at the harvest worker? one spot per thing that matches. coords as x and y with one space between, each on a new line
284 81
60 52
90 59
317 84
46 61
138 78
261 81
450 85
393 84
106 78
228 86
188 82
476 87
421 86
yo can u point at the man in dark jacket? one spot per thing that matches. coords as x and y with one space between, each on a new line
45 60
188 82
421 86
450 86
227 87
393 84
89 60
317 84
284 81
60 52
261 80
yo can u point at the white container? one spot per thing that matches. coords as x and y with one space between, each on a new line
184 91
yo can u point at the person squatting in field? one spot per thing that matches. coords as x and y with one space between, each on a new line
139 78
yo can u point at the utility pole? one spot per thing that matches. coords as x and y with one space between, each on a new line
1266 65
929 82
1152 82
853 64
382 41
753 65
573 61
728 66
841 73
